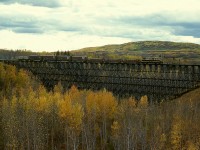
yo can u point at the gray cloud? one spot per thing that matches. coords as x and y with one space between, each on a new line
186 29
41 3
27 24
20 24
27 30
158 22
124 27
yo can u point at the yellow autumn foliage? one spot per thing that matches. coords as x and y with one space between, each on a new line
143 103
42 105
91 103
65 108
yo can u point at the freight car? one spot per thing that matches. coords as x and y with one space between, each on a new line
151 61
79 58
62 58
86 59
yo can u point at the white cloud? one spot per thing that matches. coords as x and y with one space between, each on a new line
76 24
55 41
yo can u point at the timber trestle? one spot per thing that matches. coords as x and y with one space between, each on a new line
157 81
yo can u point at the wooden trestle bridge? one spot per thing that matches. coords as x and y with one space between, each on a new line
157 81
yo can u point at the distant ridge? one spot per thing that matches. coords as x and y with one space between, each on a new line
145 45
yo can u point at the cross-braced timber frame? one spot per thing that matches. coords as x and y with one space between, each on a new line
157 81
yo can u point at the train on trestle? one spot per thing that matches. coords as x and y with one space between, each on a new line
86 59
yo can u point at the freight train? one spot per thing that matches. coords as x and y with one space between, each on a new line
86 59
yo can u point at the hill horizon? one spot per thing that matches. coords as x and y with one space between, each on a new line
152 43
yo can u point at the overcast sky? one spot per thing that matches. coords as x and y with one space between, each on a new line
50 25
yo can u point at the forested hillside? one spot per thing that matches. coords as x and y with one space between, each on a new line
33 118
167 51
12 54
146 45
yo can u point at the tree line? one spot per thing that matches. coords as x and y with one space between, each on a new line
33 118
